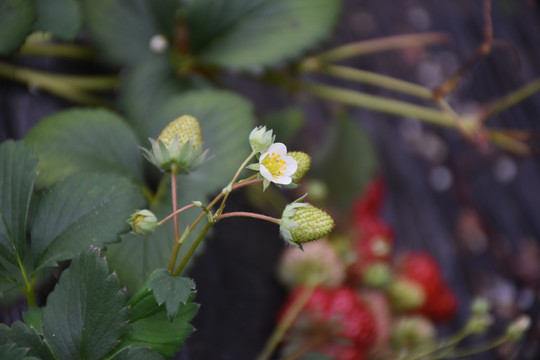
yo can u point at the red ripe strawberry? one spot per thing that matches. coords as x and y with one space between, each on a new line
369 204
442 306
353 319
423 269
340 311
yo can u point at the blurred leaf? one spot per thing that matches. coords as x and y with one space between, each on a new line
16 18
84 140
171 290
137 354
21 336
250 33
85 314
10 352
147 88
62 18
149 326
286 123
123 28
346 161
84 210
17 176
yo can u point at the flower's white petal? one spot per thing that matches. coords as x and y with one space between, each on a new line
290 164
283 180
278 148
265 173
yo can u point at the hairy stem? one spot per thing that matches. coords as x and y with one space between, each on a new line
176 245
247 214
192 248
286 322
382 44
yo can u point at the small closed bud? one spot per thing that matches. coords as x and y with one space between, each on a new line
516 329
143 222
478 324
260 139
304 162
178 148
480 306
302 222
318 264
406 295
412 332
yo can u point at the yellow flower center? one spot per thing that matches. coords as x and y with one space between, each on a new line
274 164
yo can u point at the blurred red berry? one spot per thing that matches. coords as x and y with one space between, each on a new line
343 352
370 203
423 269
441 306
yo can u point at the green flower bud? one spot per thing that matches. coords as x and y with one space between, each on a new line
516 329
412 332
260 139
406 295
480 306
304 162
302 222
143 222
178 148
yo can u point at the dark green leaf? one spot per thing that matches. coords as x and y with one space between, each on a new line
85 314
32 318
123 28
149 326
147 88
285 123
16 18
62 18
17 177
346 161
171 290
82 140
24 337
137 354
10 352
249 33
84 210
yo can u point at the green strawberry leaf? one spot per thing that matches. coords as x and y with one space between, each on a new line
171 290
8 351
17 176
84 210
346 161
250 33
62 18
123 28
21 336
139 353
85 314
149 326
32 318
16 18
82 140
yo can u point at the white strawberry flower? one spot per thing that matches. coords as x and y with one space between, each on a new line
276 166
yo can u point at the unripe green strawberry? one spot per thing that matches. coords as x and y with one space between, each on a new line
186 127
304 163
178 148
406 295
